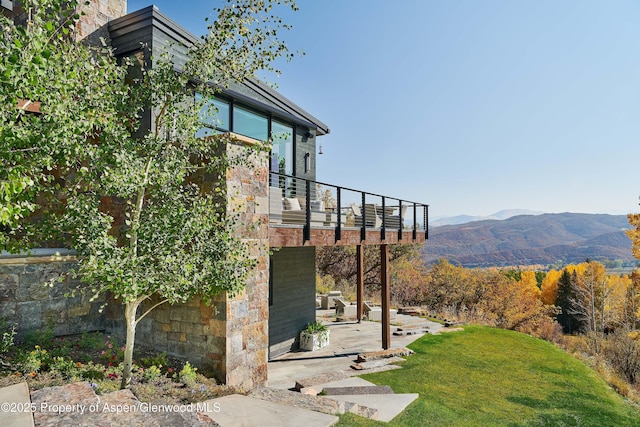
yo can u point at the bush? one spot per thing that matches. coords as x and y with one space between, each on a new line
6 338
187 375
151 374
159 360
623 352
34 360
37 337
548 330
65 368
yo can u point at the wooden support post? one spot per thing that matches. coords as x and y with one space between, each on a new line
359 281
384 280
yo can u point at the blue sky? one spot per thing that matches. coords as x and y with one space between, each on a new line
470 106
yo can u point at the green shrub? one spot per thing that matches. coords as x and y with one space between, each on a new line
6 336
65 368
158 360
187 375
316 327
33 361
38 337
91 340
151 374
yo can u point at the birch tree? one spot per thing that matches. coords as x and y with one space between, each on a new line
125 198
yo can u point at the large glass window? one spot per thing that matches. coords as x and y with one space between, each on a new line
214 115
250 124
282 149
281 152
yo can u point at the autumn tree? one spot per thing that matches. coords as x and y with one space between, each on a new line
340 263
529 283
513 304
409 276
549 287
631 316
127 198
634 291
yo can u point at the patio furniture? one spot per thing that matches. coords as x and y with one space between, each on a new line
391 220
374 313
372 219
345 309
329 301
294 211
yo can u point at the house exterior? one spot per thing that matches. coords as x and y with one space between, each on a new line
278 194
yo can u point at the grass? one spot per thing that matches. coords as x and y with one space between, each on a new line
493 377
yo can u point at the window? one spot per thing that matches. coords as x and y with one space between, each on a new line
250 124
282 149
214 115
282 155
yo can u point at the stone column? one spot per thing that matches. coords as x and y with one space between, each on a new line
240 325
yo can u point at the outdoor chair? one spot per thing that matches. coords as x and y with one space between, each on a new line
294 211
372 220
374 313
391 220
344 308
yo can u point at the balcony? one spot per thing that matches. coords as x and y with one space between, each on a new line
304 212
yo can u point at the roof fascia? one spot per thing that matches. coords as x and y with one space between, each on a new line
151 16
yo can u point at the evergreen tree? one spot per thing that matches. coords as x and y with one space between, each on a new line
566 295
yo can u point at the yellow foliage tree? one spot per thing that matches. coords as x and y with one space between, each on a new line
549 287
529 283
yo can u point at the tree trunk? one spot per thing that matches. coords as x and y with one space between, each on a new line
130 317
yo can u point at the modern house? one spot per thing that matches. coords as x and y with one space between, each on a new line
291 212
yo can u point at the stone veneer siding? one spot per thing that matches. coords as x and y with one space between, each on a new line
27 300
245 330
93 24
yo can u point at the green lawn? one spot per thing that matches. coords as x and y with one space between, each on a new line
493 377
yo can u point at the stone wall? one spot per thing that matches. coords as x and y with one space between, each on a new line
28 300
246 325
93 24
93 21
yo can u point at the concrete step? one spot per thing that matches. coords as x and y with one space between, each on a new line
246 411
411 331
383 354
320 379
16 406
372 389
377 363
300 400
387 406
381 407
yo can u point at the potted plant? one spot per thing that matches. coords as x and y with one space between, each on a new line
314 336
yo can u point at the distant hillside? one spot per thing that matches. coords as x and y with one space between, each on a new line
463 219
531 239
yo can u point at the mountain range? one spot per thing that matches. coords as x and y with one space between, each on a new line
463 219
531 239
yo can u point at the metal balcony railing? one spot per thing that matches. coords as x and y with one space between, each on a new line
300 201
